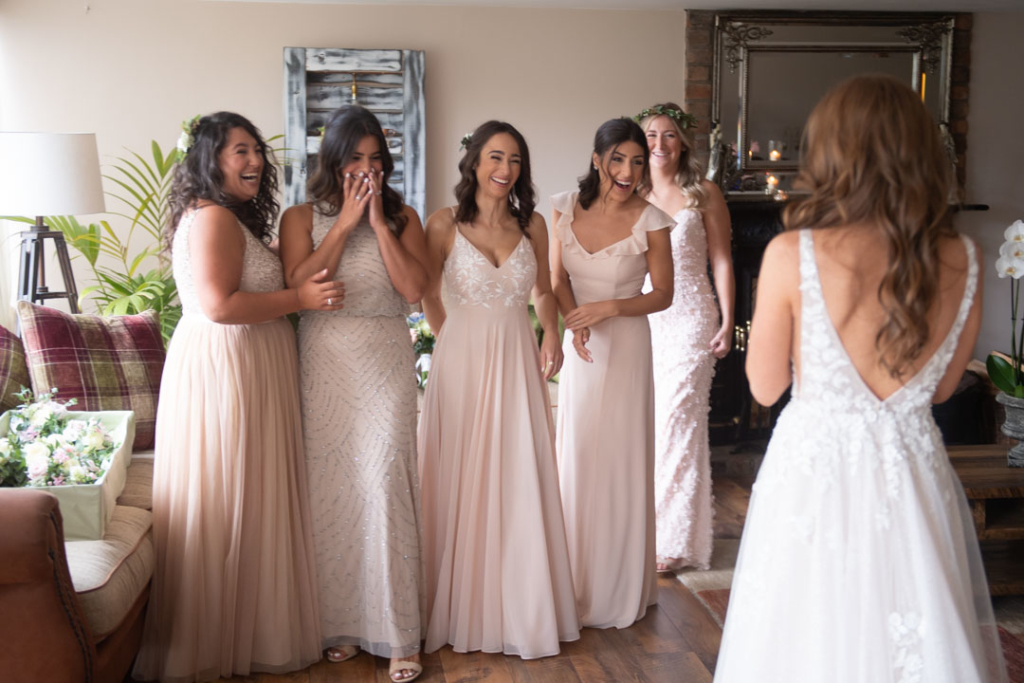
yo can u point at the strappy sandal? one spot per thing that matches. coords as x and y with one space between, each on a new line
400 665
341 653
671 565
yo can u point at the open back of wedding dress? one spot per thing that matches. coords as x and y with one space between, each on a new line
859 562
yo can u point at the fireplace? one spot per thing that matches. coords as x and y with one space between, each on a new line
735 417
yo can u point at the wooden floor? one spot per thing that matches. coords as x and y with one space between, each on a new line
677 640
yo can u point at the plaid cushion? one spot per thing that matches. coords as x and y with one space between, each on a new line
106 363
13 371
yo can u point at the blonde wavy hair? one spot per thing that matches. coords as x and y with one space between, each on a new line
689 173
871 152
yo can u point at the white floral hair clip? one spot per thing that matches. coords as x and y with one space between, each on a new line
188 134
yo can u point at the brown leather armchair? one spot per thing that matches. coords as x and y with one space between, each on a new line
45 634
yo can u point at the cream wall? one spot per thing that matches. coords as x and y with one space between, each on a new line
132 70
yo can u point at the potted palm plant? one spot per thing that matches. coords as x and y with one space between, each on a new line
1005 369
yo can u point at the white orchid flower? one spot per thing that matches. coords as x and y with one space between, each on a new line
1015 233
1012 250
1007 266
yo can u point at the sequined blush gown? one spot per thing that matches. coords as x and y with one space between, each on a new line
606 430
859 561
497 563
234 589
681 336
359 420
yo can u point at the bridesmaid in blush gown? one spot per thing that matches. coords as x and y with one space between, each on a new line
359 395
234 585
498 576
687 337
606 239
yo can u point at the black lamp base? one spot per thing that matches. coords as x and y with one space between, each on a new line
32 268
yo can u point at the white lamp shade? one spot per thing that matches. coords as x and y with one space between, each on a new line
49 174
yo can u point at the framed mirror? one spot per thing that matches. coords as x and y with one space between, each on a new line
770 69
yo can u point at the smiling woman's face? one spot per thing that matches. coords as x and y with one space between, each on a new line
499 165
665 143
241 163
622 168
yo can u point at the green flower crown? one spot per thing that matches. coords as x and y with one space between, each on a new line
466 139
680 117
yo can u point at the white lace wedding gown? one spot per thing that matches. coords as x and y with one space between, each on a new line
859 561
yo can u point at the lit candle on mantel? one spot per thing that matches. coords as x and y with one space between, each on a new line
774 155
773 184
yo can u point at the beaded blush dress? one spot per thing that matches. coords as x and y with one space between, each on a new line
859 561
497 563
680 338
234 588
359 420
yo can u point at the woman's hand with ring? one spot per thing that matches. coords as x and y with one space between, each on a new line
320 294
550 355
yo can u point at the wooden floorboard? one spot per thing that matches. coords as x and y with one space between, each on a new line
676 642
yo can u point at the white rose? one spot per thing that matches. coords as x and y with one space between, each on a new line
5 448
95 439
41 415
74 429
184 142
77 472
37 449
37 458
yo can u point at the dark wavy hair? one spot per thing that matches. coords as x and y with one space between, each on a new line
522 200
872 152
610 135
198 176
345 129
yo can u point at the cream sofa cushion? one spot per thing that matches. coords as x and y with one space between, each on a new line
110 574
138 485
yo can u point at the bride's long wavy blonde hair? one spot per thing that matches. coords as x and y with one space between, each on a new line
871 152
689 173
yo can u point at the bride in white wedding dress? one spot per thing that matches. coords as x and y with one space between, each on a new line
859 561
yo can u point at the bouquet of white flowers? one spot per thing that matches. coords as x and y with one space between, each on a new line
43 446
423 344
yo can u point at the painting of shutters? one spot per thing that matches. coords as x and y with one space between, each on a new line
387 82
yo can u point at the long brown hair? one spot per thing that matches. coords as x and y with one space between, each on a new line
689 174
345 129
872 152
198 176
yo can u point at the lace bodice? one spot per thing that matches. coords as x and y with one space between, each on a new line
369 291
834 419
828 376
615 272
261 269
472 280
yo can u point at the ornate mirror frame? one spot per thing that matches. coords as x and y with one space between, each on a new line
928 38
